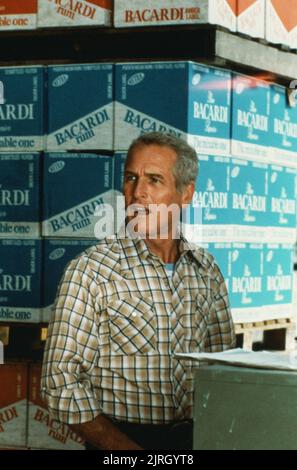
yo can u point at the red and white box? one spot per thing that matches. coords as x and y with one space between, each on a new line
45 432
13 404
61 13
167 12
251 17
281 22
18 14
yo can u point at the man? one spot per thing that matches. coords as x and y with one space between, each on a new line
128 304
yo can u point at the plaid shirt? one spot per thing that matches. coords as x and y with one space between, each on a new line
119 318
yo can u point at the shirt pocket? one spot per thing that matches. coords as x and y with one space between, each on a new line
196 324
132 324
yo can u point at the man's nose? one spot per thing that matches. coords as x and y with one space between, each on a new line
140 189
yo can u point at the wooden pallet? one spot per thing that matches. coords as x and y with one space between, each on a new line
275 335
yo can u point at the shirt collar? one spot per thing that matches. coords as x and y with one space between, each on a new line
135 250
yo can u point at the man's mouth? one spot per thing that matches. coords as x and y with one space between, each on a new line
137 210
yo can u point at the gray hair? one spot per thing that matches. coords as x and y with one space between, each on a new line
185 169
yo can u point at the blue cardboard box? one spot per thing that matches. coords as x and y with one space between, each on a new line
57 253
247 280
185 99
278 268
20 214
80 107
76 187
22 104
282 203
284 126
251 132
20 280
207 217
249 211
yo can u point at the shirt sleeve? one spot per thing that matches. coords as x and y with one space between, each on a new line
71 349
221 333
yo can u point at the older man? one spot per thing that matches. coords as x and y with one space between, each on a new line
128 304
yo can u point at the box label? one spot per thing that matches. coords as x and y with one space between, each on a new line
250 118
19 195
53 13
139 13
20 280
22 109
15 14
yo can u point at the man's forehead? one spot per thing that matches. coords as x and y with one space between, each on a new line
153 155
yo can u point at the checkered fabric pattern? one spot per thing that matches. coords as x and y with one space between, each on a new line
118 320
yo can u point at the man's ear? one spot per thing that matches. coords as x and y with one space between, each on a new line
188 193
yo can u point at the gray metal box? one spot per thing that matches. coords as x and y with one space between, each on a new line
245 409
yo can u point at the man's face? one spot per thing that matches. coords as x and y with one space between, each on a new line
150 188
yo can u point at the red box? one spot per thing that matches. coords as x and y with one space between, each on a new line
13 404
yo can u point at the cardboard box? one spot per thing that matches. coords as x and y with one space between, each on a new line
247 270
18 15
185 99
20 280
283 127
207 218
22 109
164 12
64 13
19 195
56 255
80 107
249 212
251 133
251 18
281 21
278 268
282 204
13 404
74 185
44 432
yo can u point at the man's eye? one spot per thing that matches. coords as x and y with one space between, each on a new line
130 178
154 179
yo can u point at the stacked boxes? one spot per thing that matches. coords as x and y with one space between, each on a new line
75 185
44 431
18 15
139 13
20 195
251 136
20 280
283 126
251 17
60 13
56 255
147 100
80 107
13 404
22 109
